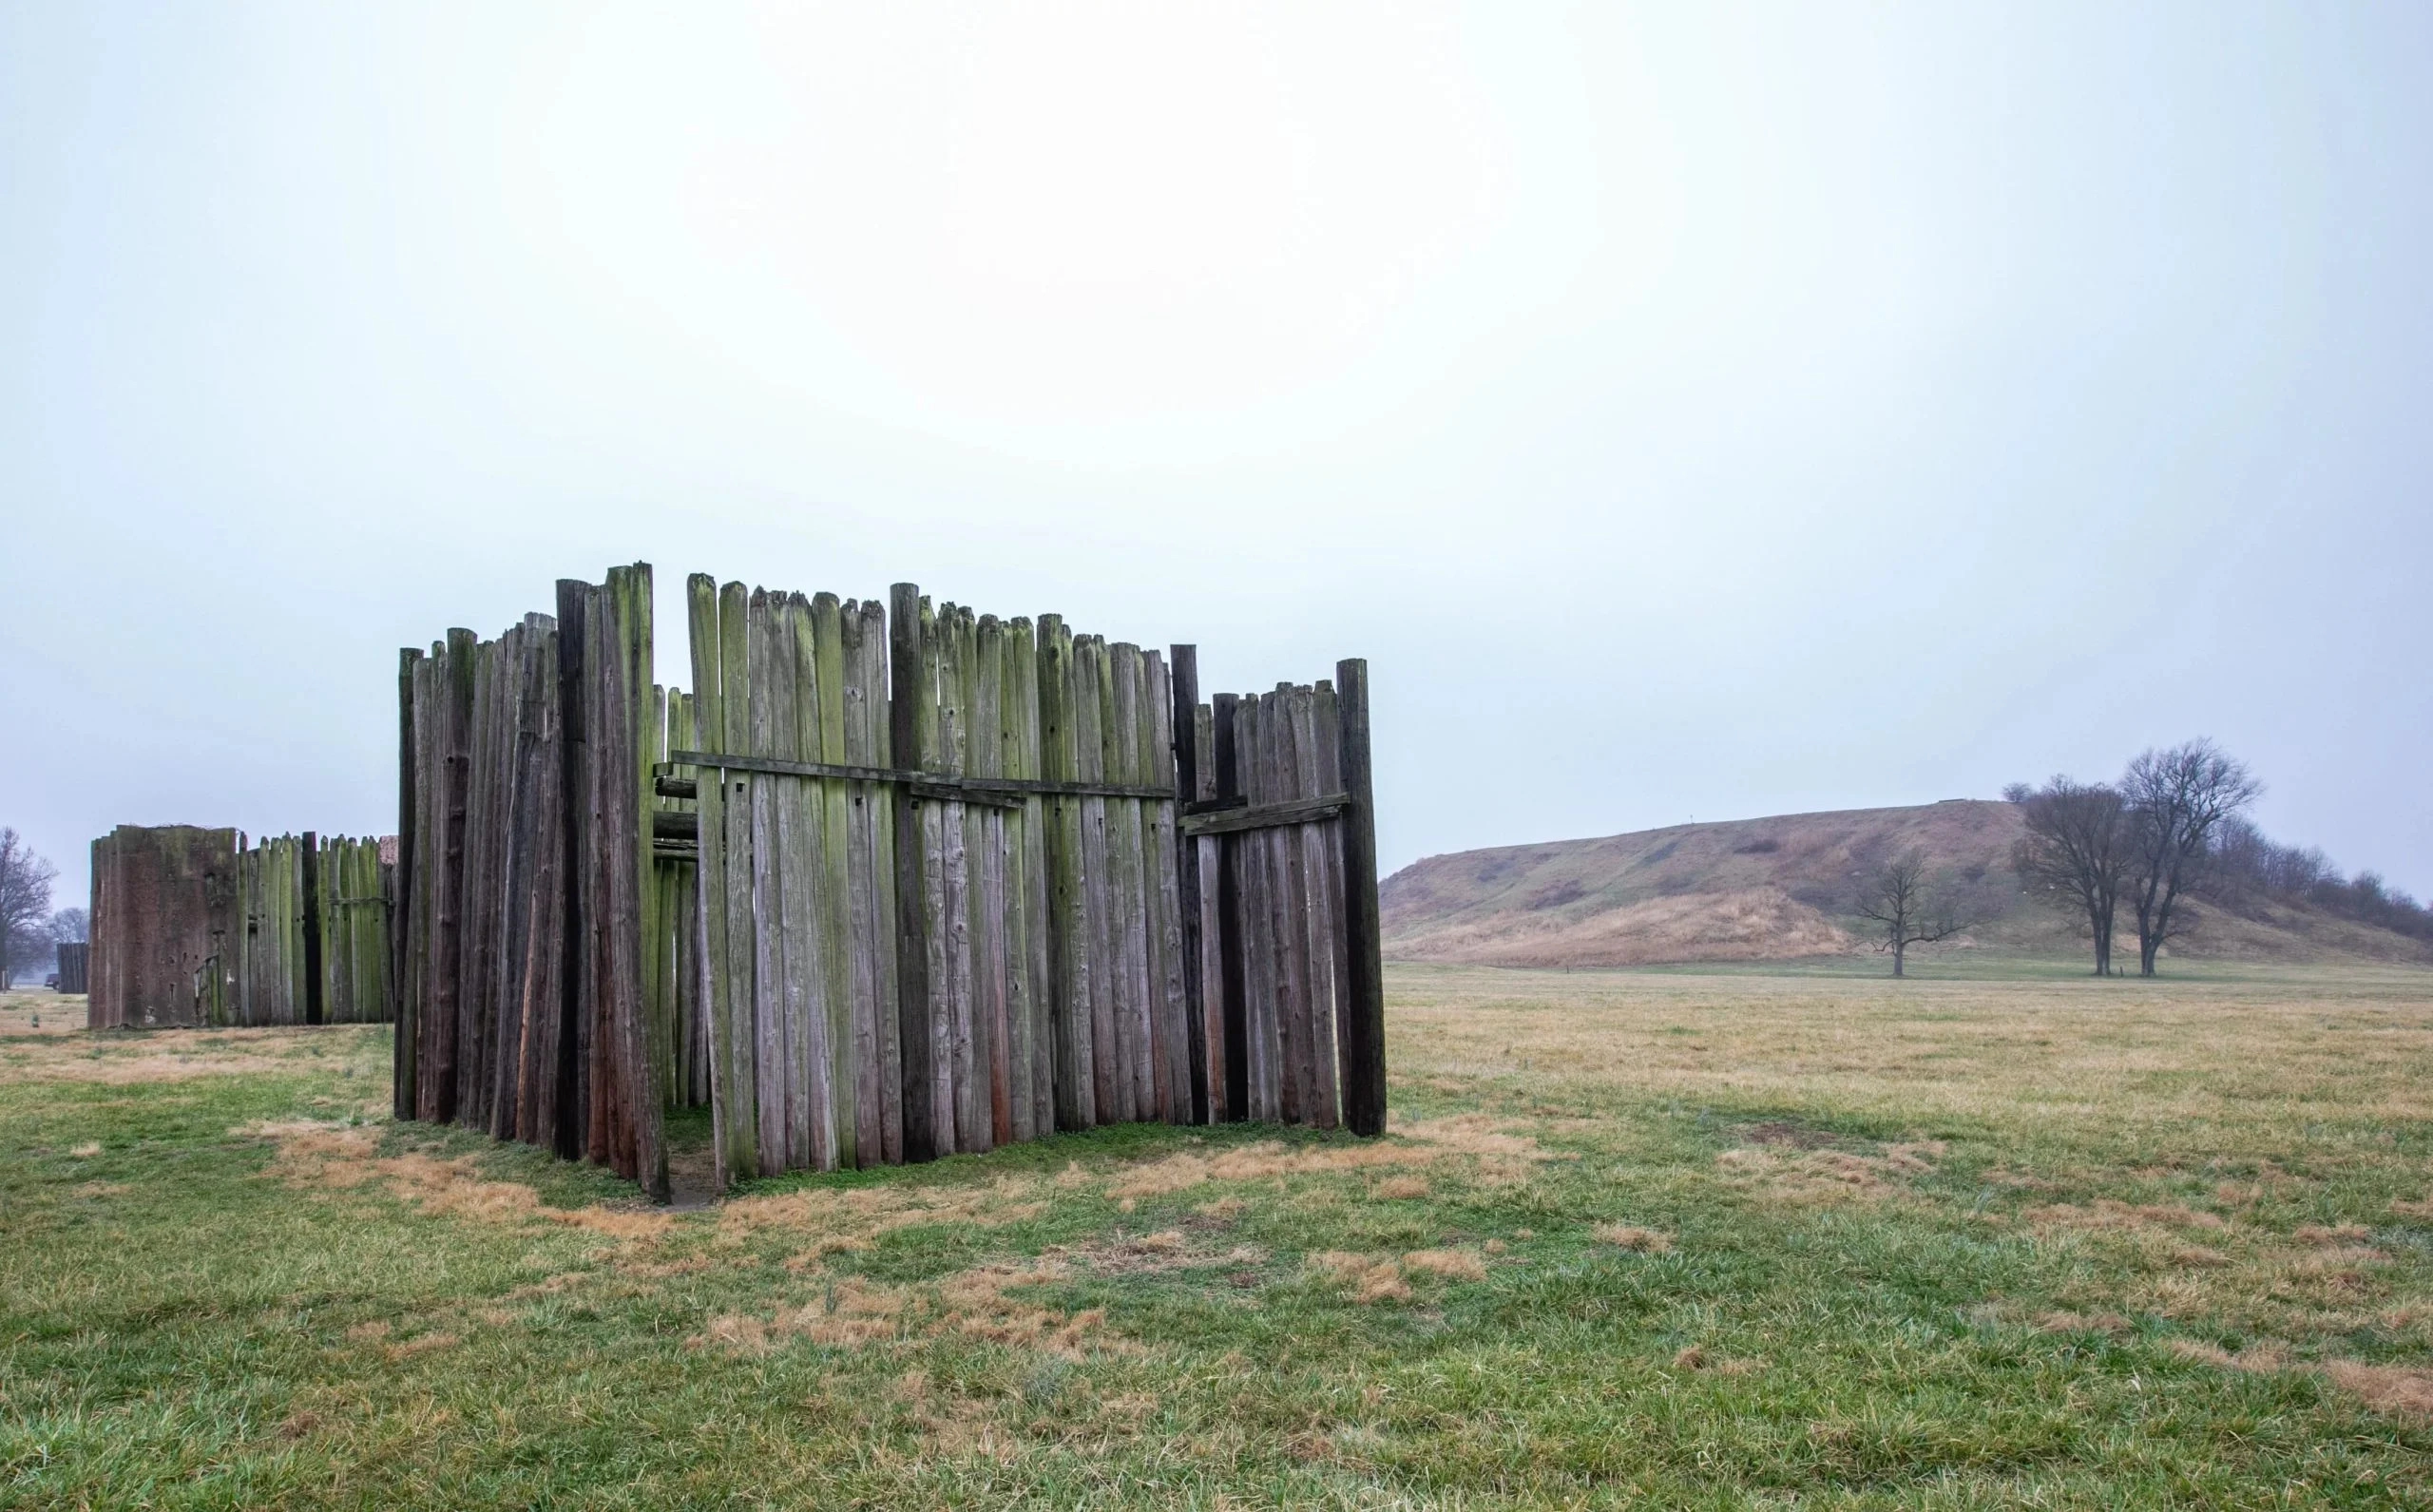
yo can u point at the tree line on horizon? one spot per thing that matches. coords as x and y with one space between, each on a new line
28 930
2174 828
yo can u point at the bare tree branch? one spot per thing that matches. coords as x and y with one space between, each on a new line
25 906
2177 802
2076 852
1906 909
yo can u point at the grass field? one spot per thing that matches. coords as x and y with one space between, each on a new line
1665 1239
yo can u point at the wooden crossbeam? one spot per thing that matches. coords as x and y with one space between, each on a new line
1265 816
996 791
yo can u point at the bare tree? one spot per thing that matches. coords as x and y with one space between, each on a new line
2076 851
75 925
25 906
2179 800
1905 910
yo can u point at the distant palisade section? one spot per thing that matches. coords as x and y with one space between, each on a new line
1784 888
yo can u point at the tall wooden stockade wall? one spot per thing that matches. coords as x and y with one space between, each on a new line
527 939
75 959
191 926
894 881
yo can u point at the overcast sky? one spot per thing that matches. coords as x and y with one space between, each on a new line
1690 411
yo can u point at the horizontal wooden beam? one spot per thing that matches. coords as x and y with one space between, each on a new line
943 785
961 792
1266 815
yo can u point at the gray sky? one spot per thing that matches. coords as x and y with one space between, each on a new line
1690 410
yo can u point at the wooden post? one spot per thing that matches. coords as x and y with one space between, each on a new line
821 625
869 742
1231 985
457 713
1161 837
628 774
1071 1021
1320 919
993 943
429 811
1022 700
308 858
907 696
401 1031
726 1002
1109 1069
1363 1051
1183 675
571 1136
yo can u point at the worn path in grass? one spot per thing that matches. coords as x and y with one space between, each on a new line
1639 1239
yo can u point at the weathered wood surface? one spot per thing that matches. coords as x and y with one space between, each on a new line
163 909
517 958
1364 1014
75 959
200 928
893 881
1264 815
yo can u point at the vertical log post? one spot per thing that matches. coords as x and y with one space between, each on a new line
1364 1050
401 1034
569 1136
1230 986
906 697
309 859
1184 683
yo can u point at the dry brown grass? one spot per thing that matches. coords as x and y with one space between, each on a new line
854 1313
337 1157
2061 1054
1457 1265
842 1222
1484 1145
1750 924
165 1056
1631 1237
1369 1278
2400 1390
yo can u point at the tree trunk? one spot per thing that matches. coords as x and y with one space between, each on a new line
1899 949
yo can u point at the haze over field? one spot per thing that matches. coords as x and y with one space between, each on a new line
1692 411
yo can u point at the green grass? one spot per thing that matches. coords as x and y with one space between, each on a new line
1887 1274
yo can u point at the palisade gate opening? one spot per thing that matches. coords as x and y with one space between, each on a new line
891 881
